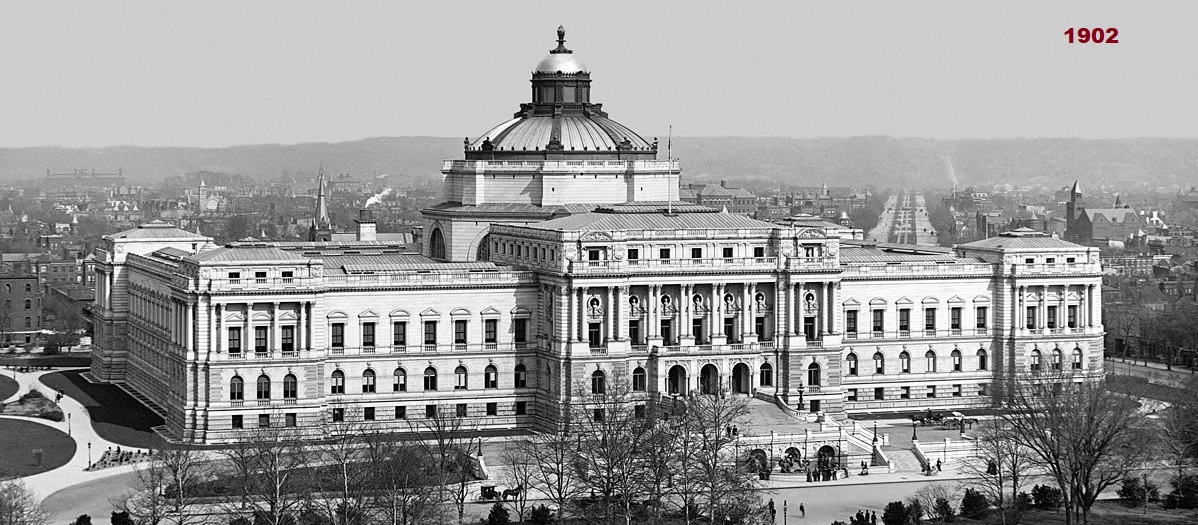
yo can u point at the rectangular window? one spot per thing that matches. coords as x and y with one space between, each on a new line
878 325
399 333
260 334
759 328
235 340
430 411
594 334
727 253
1070 260
521 408
237 423
1031 317
430 333
461 409
852 395
663 253
638 411
634 254
850 322
634 331
982 388
905 393
520 334
337 335
954 318
289 419
982 316
401 412
368 414
696 253
234 277
492 409
931 391
338 415
288 277
490 331
459 332
288 338
759 251
904 319
263 420
929 319
1071 312
368 334
260 277
597 414
1052 316
956 390
879 394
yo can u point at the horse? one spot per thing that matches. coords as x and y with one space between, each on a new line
512 492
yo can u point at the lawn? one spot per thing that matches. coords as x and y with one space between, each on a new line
1103 513
20 438
115 415
53 361
8 387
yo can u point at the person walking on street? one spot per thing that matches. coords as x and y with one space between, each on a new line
802 510
873 517
937 465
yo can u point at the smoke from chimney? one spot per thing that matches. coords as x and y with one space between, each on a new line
378 197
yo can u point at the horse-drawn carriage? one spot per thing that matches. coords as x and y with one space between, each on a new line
954 420
490 493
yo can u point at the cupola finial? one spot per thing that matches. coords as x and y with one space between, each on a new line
561 41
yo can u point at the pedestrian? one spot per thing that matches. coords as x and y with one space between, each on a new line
938 465
802 510
873 517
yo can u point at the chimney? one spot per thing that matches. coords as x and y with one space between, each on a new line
366 226
723 184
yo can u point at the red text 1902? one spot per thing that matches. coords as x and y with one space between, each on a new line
1097 35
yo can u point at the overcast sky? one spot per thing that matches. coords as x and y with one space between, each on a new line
219 73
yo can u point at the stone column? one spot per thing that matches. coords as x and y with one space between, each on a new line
621 321
301 328
1043 310
790 307
830 304
686 331
189 328
246 336
718 309
565 302
218 322
1021 309
582 313
746 311
654 328
272 343
610 313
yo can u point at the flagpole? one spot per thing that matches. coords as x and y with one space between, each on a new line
669 170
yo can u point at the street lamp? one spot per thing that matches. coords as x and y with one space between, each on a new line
89 454
68 423
913 436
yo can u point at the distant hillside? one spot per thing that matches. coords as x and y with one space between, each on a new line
881 161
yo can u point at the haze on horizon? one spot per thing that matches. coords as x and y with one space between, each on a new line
89 74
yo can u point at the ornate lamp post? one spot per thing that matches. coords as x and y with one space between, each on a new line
914 437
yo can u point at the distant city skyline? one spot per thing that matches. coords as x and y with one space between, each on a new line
214 75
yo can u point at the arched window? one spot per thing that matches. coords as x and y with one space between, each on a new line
236 389
430 378
401 380
930 361
436 244
368 384
638 380
263 387
767 375
491 377
1077 358
879 363
956 360
852 359
1035 365
813 376
905 362
28 287
461 378
28 304
337 385
598 382
521 376
981 359
1056 359
290 387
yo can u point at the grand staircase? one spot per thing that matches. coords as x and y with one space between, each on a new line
903 459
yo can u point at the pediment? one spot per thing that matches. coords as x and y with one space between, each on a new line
903 300
399 313
852 302
337 314
490 311
368 313
429 312
956 300
460 312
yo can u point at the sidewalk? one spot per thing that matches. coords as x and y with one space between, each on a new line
80 430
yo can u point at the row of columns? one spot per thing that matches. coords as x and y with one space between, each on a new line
1085 306
218 335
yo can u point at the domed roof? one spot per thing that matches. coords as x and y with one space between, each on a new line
577 133
560 63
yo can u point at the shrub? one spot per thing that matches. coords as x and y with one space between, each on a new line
83 519
1133 491
944 509
895 513
120 518
1046 497
1023 503
498 516
33 393
974 504
540 515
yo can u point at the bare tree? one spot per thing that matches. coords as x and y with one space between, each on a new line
521 474
610 431
340 475
1178 429
403 476
1086 437
660 460
554 454
999 465
723 482
448 448
165 488
266 474
20 506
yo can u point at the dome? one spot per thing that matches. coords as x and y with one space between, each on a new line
576 133
560 63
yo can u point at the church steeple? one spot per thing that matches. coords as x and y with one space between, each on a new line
322 226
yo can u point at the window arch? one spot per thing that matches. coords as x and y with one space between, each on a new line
436 244
430 378
263 387
879 363
290 387
1035 365
461 378
28 304
491 377
956 355
521 376
813 375
337 385
1077 358
905 362
8 288
930 361
1056 358
401 380
767 375
598 382
852 360
982 359
28 287
639 380
368 382
236 389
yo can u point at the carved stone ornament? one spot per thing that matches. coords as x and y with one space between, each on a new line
596 236
809 233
